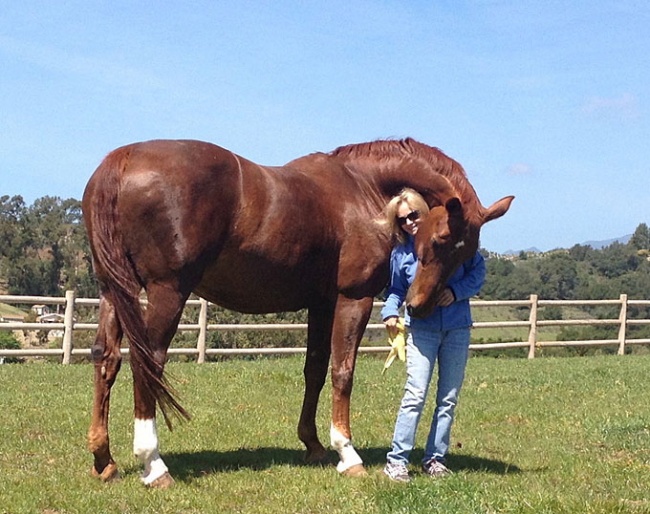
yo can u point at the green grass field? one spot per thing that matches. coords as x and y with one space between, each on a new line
549 435
9 310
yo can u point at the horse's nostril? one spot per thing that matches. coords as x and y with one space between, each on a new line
409 310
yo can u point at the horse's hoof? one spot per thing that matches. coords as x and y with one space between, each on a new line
162 482
358 470
316 457
108 474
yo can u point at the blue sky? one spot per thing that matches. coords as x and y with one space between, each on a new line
544 100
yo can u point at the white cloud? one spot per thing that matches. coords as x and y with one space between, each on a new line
625 106
58 60
519 168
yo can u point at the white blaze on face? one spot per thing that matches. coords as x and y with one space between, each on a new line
343 446
145 448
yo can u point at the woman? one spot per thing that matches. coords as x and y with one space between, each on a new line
443 336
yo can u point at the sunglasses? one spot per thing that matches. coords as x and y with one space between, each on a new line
411 216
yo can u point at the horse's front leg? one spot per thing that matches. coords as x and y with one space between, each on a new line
164 309
107 361
350 320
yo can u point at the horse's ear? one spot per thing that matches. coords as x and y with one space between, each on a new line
497 209
454 207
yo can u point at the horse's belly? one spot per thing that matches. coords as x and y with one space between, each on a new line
254 289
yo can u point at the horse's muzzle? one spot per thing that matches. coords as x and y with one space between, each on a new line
418 312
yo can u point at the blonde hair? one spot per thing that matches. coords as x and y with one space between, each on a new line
411 198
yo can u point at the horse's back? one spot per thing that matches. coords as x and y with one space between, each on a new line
161 164
170 202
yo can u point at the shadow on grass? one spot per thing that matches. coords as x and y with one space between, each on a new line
196 464
471 463
377 456
185 466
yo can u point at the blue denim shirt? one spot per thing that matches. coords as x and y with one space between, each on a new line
465 283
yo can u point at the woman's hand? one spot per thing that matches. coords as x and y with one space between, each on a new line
391 325
446 298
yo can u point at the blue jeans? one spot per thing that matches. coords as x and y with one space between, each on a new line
423 348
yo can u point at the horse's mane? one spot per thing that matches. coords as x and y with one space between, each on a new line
385 149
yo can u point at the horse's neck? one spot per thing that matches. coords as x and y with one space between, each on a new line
391 176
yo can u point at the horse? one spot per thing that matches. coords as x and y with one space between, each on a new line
173 217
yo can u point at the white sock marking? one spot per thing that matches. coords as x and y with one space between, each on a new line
145 448
343 446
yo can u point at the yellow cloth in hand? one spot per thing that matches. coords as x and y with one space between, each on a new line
398 345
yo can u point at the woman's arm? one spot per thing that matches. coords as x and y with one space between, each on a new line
471 282
397 288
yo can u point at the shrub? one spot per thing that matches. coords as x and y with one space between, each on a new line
9 342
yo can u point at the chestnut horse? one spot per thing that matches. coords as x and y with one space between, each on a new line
176 217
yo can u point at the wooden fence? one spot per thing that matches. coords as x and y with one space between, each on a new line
202 327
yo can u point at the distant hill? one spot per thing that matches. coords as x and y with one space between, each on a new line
532 249
596 245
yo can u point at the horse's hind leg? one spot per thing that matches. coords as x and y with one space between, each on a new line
107 361
315 371
164 309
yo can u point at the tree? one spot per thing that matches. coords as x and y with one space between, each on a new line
44 247
506 280
559 276
12 238
9 342
580 252
615 260
640 240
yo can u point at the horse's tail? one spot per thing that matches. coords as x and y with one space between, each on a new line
120 282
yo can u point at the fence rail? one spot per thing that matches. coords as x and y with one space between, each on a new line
69 326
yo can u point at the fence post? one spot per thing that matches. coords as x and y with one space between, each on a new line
203 329
68 322
532 333
622 318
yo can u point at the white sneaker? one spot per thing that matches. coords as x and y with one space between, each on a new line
397 472
434 468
